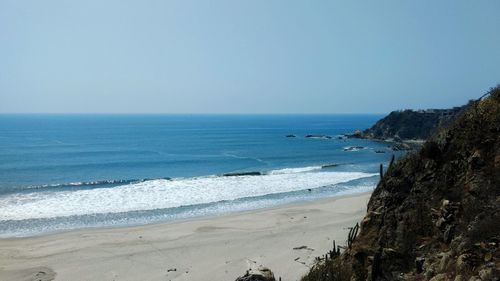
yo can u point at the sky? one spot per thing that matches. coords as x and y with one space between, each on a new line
242 56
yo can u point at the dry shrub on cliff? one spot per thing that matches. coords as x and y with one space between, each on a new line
434 215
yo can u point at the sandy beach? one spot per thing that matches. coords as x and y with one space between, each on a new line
219 248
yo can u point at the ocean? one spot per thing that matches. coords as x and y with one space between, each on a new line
65 172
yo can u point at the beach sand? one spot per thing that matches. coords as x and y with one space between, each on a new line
218 248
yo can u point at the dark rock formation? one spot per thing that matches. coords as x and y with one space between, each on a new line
409 124
318 137
354 148
435 214
291 136
236 174
260 274
326 166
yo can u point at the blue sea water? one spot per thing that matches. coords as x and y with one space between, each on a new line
62 172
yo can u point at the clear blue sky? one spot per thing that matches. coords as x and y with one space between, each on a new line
259 56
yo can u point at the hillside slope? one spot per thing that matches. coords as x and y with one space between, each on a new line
435 214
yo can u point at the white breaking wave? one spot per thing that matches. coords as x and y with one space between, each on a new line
162 193
294 170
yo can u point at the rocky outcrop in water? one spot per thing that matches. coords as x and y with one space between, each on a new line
239 174
435 214
325 137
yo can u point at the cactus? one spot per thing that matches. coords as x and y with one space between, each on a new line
392 161
353 232
333 253
334 250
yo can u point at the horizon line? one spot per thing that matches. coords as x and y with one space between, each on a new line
187 113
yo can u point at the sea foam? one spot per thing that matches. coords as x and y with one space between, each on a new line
165 193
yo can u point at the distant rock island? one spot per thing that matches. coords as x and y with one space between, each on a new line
409 125
325 137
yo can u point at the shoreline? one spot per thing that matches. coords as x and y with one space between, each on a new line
188 219
222 247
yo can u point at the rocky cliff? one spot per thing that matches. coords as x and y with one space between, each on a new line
435 215
409 124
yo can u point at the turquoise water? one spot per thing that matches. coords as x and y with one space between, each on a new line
61 172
